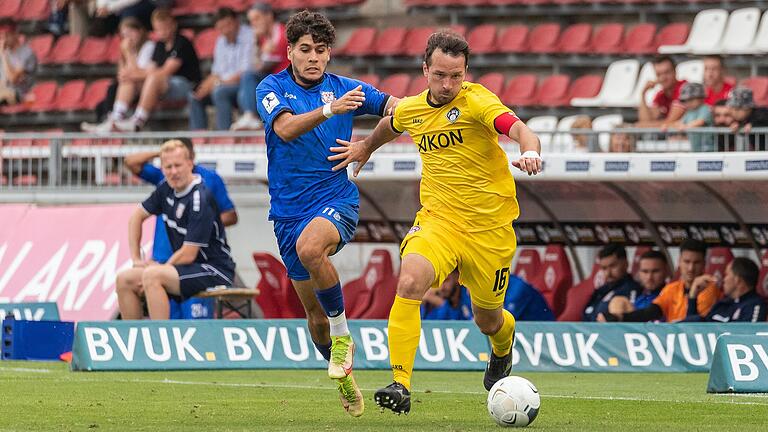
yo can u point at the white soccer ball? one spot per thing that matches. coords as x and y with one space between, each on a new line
513 401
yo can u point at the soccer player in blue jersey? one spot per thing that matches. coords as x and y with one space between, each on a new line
201 257
140 165
314 209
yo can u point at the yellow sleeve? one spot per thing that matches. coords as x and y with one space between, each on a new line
485 106
398 117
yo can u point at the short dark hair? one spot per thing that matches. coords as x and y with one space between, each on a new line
449 42
693 245
717 57
310 23
747 270
663 58
655 255
613 249
721 102
188 144
223 13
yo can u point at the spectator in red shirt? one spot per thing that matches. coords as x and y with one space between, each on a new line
271 56
715 86
666 107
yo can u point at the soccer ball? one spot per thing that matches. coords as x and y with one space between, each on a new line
513 401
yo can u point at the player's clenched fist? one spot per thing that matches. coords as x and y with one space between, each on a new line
351 101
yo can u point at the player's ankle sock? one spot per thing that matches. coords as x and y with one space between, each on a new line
404 331
502 340
325 350
332 301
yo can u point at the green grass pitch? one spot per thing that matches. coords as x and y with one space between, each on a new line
47 397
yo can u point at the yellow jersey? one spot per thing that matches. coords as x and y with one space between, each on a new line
465 176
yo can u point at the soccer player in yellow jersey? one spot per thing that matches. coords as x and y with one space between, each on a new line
468 205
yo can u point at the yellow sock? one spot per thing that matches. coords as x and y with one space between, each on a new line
502 340
404 331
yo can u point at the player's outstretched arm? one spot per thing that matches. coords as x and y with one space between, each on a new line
289 126
361 151
530 148
134 236
134 162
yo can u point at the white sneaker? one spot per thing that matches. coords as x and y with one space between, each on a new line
247 122
129 125
104 127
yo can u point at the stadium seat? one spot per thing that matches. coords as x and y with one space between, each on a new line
575 39
672 34
360 42
513 39
396 85
96 92
738 35
553 91
617 86
528 264
390 42
579 295
718 259
543 38
691 71
759 86
608 39
113 51
640 39
587 86
482 39
194 7
70 96
762 282
760 44
359 293
544 126
236 5
647 73
563 140
205 43
41 45
706 32
493 81
277 298
384 294
34 10
9 8
555 278
43 94
94 50
606 123
418 84
639 251
25 180
520 91
66 50
417 40
371 79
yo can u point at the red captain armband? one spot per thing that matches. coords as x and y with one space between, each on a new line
504 122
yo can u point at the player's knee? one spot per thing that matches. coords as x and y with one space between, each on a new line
487 325
151 276
411 288
124 282
310 254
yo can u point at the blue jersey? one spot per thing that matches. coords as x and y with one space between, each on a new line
525 302
446 311
161 248
191 217
299 172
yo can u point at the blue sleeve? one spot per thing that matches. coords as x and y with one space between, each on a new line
218 188
151 174
375 100
154 204
270 100
201 220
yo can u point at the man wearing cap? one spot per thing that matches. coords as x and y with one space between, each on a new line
697 114
17 64
746 116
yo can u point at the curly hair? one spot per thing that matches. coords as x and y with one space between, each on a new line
448 42
310 23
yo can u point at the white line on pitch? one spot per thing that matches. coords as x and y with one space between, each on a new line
13 369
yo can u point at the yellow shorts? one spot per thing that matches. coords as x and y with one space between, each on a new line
483 258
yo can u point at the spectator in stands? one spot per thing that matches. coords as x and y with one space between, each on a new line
652 274
746 116
614 265
582 143
70 15
741 302
17 65
140 164
109 13
620 143
449 302
270 56
697 114
672 303
714 80
666 106
525 302
201 257
722 117
136 50
173 73
231 58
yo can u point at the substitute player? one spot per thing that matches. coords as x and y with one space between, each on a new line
468 205
315 209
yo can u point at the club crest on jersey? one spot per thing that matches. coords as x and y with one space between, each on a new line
414 229
453 115
327 97
180 210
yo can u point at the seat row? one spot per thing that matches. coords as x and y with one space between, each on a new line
201 7
469 3
715 31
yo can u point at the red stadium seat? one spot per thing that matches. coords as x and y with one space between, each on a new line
639 251
759 86
493 81
205 43
94 50
70 96
384 286
390 41
587 86
543 38
762 281
553 91
575 39
672 34
718 259
528 265
113 51
25 180
9 8
66 49
579 295
640 39
277 298
360 43
555 278
607 39
34 10
482 39
417 40
289 4
396 85
41 45
194 7
513 39
236 5
520 91
358 293
96 92
371 79
418 84
43 96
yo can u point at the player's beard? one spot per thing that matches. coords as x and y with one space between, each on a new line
306 82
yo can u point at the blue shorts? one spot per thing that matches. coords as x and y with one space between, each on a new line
195 277
343 215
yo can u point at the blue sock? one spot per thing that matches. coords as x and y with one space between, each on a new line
325 350
332 300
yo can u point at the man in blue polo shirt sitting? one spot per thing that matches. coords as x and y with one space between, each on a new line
741 303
